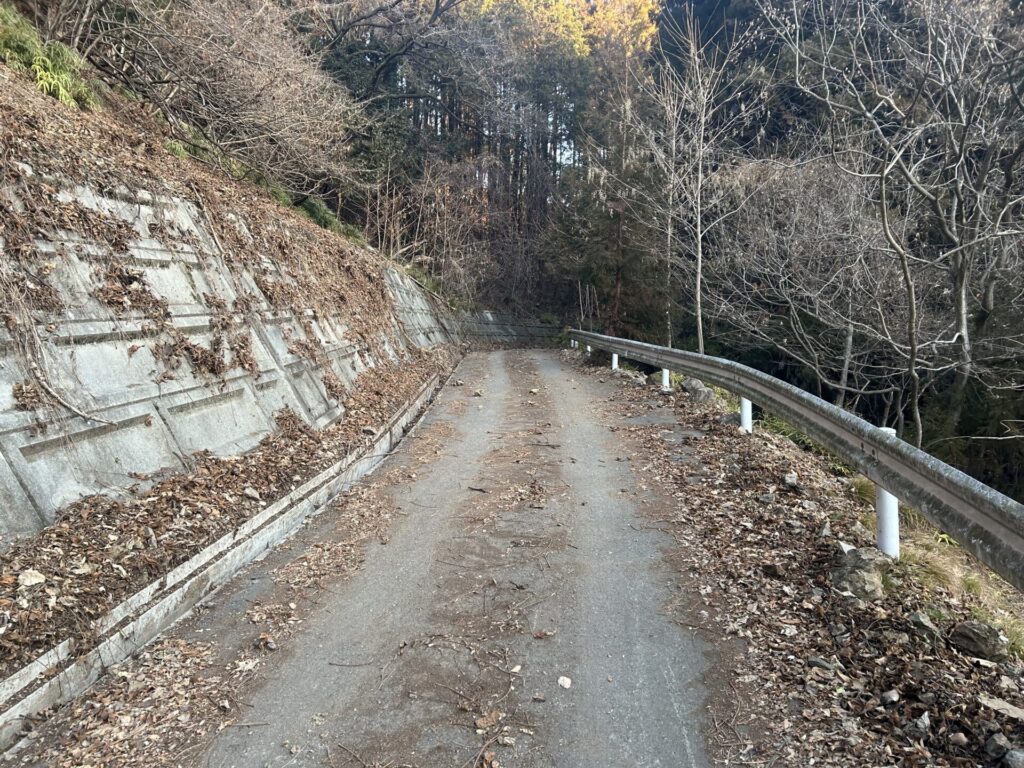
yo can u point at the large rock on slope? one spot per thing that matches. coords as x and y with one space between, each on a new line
979 640
924 627
859 572
698 390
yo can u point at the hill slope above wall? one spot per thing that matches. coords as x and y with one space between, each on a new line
153 308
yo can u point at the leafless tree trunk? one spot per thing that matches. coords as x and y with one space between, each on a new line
689 132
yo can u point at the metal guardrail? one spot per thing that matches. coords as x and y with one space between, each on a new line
984 521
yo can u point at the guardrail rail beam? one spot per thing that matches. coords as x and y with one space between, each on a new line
985 522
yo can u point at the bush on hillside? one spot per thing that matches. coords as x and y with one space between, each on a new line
231 77
56 69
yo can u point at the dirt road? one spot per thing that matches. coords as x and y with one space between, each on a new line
521 584
518 608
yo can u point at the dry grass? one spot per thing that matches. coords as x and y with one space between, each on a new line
943 566
947 571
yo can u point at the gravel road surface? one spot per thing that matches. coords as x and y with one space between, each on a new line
519 614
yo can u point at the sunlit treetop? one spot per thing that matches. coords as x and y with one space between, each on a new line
629 25
578 27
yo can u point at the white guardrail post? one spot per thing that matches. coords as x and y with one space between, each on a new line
615 362
887 510
666 381
746 416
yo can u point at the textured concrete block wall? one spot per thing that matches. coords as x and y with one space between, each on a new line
103 362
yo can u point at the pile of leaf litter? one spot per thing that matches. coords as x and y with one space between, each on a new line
102 549
162 707
846 657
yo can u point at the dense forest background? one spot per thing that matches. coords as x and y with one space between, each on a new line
829 190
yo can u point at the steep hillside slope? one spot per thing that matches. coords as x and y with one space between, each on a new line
153 308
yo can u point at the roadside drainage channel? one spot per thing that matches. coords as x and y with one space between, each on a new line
56 677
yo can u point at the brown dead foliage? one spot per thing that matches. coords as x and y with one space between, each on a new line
125 291
24 288
296 264
179 348
162 707
241 351
146 714
333 385
102 549
367 514
29 396
807 685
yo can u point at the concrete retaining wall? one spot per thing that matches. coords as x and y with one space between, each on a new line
498 328
105 364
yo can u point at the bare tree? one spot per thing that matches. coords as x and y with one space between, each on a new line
689 132
381 32
933 88
804 269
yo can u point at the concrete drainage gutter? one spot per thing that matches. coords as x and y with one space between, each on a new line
58 677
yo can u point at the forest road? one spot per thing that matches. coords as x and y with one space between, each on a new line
520 614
